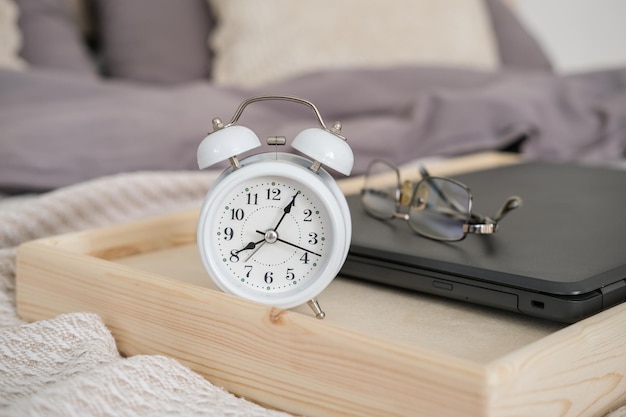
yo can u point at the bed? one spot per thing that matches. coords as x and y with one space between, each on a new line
103 105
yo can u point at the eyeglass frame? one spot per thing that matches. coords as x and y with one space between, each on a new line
475 224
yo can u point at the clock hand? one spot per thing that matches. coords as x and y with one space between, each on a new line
287 209
250 245
299 247
292 244
258 246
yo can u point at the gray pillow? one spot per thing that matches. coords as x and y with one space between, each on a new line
155 41
51 38
516 46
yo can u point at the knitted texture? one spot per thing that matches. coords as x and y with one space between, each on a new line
69 365
91 204
39 355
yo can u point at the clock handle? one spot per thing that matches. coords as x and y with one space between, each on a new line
315 306
251 100
330 148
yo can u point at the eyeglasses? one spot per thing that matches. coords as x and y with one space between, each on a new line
436 208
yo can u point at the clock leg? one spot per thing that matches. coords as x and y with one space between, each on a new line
315 306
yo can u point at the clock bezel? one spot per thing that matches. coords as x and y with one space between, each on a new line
294 168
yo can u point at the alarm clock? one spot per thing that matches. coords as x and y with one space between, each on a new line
275 227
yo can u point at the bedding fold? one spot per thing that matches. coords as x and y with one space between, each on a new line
56 130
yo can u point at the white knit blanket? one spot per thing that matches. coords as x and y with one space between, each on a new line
69 365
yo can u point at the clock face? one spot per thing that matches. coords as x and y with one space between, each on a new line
273 238
271 234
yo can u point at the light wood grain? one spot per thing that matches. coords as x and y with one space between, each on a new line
381 352
286 359
463 330
577 371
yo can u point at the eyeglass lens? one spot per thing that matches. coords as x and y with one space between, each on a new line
381 190
439 209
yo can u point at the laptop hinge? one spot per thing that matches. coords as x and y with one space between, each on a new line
613 294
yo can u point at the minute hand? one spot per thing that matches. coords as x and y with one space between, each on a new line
299 247
293 244
287 210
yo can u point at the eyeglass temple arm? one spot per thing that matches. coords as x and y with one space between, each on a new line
478 223
510 204
487 225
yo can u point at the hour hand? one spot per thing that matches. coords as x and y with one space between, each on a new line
258 246
250 245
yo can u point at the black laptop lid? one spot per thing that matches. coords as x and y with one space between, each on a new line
568 238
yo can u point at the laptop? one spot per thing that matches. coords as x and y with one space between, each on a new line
561 256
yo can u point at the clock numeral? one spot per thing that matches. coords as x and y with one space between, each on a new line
253 198
236 214
305 258
248 269
228 233
273 194
307 215
269 277
290 274
313 238
234 256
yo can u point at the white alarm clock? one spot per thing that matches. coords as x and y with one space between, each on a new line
275 227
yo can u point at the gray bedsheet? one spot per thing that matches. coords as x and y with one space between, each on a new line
57 130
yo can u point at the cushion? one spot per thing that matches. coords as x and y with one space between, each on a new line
516 46
52 38
10 36
260 42
155 41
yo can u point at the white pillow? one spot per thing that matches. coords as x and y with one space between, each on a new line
261 41
10 36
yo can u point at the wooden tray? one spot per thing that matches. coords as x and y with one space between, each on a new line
380 351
